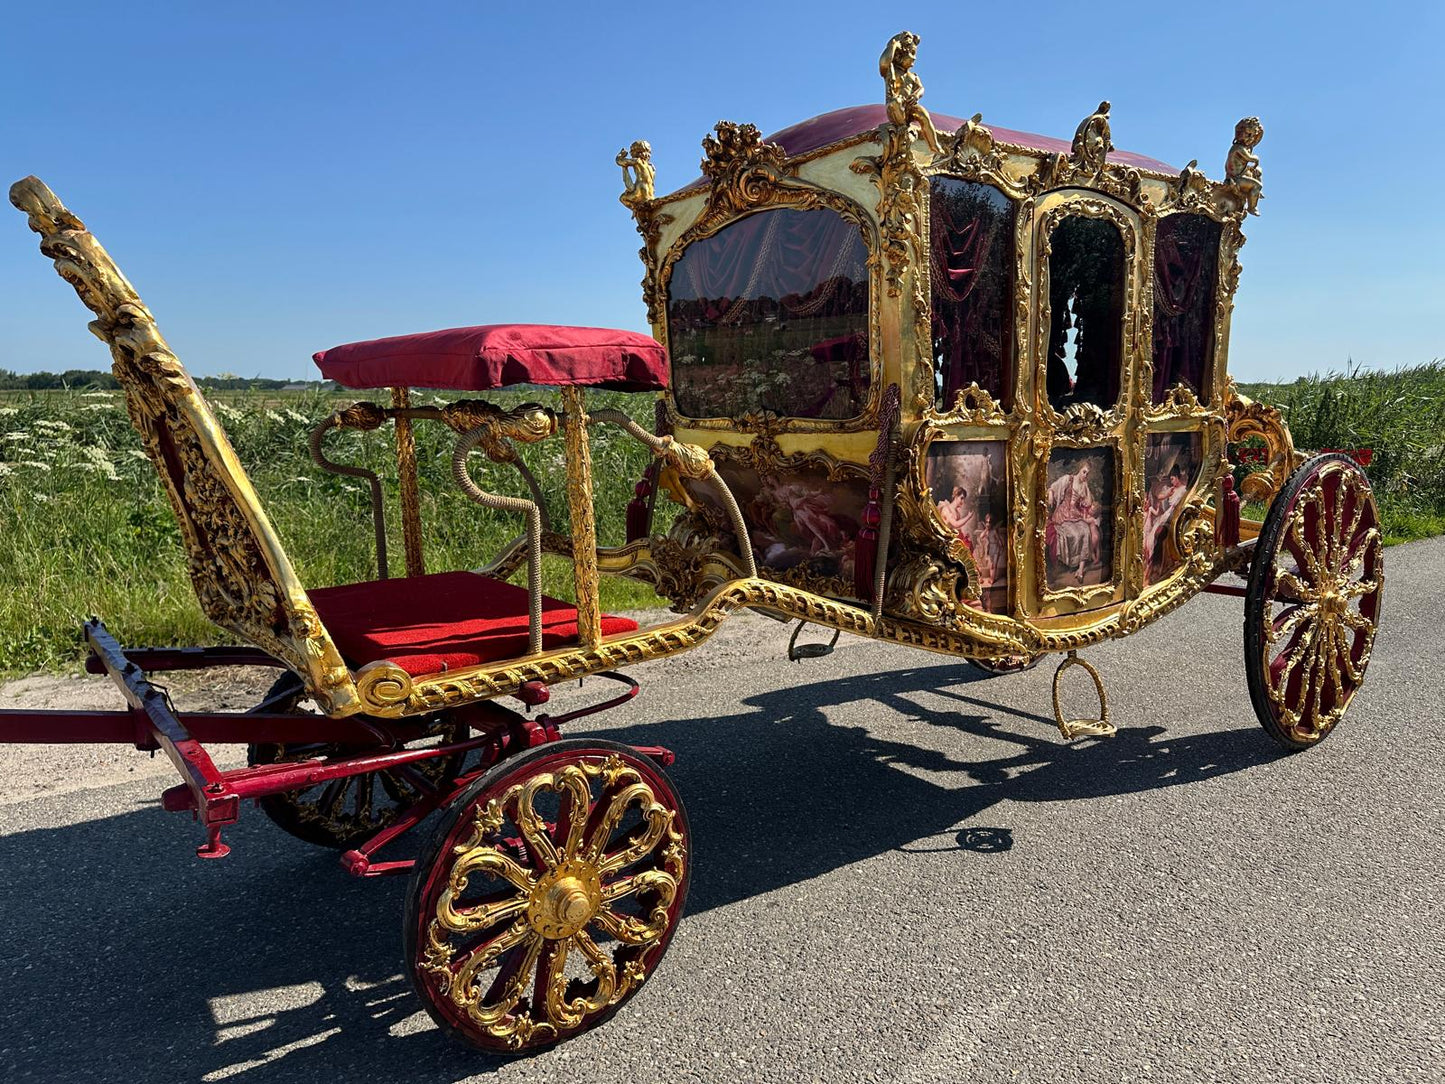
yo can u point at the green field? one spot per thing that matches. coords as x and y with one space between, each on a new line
1399 415
87 530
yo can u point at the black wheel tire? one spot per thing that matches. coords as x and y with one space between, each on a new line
1328 479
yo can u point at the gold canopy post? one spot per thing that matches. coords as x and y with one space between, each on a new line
584 524
410 488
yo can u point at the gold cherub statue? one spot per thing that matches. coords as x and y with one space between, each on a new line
904 88
638 174
1241 167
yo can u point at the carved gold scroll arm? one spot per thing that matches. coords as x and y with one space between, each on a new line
689 461
528 423
357 416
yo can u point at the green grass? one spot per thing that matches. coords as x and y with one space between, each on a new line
87 529
1399 414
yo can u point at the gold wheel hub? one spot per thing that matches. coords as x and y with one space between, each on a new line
565 899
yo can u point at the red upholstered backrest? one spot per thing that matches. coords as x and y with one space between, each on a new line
500 355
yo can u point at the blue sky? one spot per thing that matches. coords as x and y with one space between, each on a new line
279 178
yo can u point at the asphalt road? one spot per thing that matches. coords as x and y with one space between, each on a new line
901 875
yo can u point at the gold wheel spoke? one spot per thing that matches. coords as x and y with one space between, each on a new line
469 918
483 956
629 928
534 829
576 806
1360 588
511 982
1346 646
1297 655
488 859
1288 588
639 793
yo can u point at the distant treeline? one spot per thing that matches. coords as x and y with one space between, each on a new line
80 379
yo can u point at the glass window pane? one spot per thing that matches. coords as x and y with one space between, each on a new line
771 313
1086 311
971 242
1186 272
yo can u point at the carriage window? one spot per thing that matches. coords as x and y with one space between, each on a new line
771 313
971 236
1086 307
1186 269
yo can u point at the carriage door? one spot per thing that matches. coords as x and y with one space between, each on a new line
1084 351
1183 430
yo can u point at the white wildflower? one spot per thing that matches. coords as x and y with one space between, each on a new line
17 435
54 424
296 415
9 411
272 416
34 463
98 461
6 468
230 413
97 395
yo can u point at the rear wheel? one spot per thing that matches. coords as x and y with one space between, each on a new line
1313 601
1009 664
547 895
345 812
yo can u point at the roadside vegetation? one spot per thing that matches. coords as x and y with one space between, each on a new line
1398 415
86 528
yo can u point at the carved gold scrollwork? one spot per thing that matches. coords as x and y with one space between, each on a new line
971 406
1245 420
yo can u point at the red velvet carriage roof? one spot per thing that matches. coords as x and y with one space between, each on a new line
499 355
809 135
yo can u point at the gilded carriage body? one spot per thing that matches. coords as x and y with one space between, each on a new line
973 378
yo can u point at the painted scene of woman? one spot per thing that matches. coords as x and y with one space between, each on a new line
1171 464
967 482
1079 528
800 520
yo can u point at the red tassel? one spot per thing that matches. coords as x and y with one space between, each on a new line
865 554
639 511
1227 525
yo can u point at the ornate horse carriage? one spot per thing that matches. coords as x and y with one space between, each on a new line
925 380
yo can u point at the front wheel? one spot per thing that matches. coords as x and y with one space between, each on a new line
547 895
1313 601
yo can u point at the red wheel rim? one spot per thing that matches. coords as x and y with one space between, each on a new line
551 897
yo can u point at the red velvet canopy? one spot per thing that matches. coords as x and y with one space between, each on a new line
499 355
809 135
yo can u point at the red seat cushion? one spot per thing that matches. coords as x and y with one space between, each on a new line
445 621
499 356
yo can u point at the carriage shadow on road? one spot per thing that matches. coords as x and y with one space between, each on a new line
127 959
